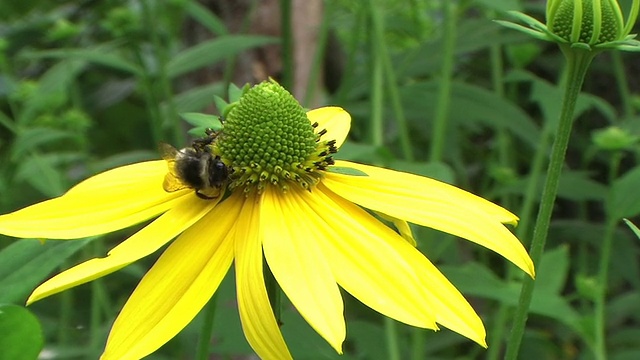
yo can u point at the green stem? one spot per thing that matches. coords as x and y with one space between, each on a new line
522 232
318 56
600 346
377 82
287 45
391 332
578 62
446 74
169 117
623 86
355 40
150 100
232 60
382 54
417 343
64 320
204 338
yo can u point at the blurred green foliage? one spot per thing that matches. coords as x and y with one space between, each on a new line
90 85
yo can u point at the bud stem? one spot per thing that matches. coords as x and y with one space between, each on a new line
578 61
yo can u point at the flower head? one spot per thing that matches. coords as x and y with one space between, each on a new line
587 24
285 200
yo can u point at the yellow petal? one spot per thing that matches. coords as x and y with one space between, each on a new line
258 322
290 247
380 268
430 203
187 211
402 226
103 203
411 185
178 285
334 119
364 257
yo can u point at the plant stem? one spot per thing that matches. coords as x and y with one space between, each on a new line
382 55
417 343
391 331
623 86
446 73
287 45
377 80
169 116
318 56
204 339
578 62
600 346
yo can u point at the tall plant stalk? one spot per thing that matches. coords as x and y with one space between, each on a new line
578 62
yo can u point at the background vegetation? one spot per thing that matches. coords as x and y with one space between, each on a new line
434 87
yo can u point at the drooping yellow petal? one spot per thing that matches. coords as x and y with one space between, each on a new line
364 263
258 322
290 247
402 226
430 203
376 265
422 187
187 211
178 285
106 202
334 119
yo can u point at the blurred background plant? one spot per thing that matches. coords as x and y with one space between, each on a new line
434 87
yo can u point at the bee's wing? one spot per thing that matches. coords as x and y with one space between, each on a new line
171 180
168 152
171 183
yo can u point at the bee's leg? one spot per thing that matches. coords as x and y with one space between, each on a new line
203 196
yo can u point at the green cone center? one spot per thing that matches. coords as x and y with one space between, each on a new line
268 139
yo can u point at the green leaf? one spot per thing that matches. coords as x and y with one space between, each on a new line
626 197
22 337
435 170
475 279
43 171
500 5
472 105
121 159
31 138
235 92
26 263
553 271
221 104
202 120
196 99
210 52
53 89
106 56
633 227
574 185
206 18
346 171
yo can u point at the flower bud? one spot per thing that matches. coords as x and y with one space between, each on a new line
586 24
613 138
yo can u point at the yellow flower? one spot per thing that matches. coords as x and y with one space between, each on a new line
305 216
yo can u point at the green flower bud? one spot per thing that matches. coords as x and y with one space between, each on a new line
586 24
63 30
587 287
613 138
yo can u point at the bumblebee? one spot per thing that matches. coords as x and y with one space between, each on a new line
195 167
